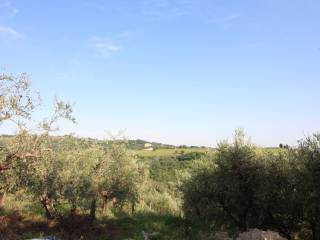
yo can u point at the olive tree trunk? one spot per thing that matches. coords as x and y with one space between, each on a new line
3 197
93 209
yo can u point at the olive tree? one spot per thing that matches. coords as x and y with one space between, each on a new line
26 158
278 199
307 158
115 178
17 103
226 193
39 166
78 174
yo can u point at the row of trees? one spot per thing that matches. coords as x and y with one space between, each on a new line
75 174
245 188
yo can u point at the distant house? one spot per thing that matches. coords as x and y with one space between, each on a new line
148 147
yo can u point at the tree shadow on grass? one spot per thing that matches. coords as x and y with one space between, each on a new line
168 226
104 228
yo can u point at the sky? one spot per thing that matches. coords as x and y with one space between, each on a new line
172 71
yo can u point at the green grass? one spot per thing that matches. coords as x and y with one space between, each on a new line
164 152
116 227
168 152
168 227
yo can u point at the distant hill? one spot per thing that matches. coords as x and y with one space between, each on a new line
137 144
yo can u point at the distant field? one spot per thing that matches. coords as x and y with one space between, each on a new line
176 151
166 152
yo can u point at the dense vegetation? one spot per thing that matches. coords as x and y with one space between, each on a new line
115 189
246 188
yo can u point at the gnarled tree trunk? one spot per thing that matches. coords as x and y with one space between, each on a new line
133 204
93 209
104 205
48 207
3 197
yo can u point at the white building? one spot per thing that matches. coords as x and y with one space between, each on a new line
148 147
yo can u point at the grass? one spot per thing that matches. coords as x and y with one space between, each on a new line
30 218
35 225
167 152
168 227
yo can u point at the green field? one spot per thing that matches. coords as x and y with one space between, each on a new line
167 152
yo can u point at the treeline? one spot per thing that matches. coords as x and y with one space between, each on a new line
245 188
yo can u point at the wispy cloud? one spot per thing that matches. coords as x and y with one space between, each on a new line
172 9
225 21
95 5
9 33
205 11
104 46
7 9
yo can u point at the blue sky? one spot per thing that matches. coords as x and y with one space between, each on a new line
173 71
